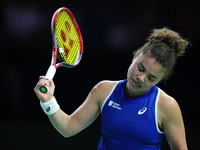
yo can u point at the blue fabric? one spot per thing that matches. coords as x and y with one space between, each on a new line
129 124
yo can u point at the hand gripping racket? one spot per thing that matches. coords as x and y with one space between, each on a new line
67 43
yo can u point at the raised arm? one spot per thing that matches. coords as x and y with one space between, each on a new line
172 123
69 125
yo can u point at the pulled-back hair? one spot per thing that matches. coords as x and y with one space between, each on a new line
164 45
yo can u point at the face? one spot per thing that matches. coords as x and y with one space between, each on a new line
143 73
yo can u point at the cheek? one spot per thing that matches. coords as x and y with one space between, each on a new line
130 71
150 84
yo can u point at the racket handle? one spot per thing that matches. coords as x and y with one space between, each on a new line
44 89
49 75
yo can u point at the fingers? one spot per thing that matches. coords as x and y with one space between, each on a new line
42 77
43 81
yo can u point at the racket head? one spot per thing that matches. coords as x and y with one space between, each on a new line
67 39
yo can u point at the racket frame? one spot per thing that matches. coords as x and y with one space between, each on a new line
55 52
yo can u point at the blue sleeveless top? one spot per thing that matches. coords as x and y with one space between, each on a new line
130 124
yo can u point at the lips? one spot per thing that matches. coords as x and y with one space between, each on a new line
135 83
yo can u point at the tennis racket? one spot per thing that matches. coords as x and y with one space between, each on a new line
67 43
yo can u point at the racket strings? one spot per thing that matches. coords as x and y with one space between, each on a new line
67 38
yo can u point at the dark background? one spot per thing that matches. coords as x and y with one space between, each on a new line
111 31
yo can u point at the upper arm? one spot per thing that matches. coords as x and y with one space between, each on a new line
173 125
90 109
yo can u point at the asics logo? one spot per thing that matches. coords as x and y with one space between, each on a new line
143 110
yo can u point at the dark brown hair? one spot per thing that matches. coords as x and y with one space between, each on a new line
164 45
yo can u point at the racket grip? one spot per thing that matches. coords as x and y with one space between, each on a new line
51 72
49 75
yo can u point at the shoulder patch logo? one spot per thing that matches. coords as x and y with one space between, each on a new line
114 105
110 103
143 110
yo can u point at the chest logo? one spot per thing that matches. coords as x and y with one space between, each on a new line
143 110
114 105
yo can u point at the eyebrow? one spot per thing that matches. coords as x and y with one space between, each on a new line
145 70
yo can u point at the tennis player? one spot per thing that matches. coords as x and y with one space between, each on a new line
135 113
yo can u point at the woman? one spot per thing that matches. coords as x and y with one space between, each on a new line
135 113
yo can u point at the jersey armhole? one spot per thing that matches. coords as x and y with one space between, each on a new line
108 96
156 117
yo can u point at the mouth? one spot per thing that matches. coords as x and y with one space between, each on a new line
135 84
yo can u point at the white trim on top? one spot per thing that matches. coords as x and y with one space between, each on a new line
108 96
156 116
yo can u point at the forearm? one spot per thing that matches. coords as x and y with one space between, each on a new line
62 123
179 148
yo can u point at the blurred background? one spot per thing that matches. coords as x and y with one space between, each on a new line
111 31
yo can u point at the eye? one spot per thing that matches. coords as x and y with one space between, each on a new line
140 69
151 78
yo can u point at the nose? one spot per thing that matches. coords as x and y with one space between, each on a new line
141 77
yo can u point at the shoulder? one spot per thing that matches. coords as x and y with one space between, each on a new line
168 108
103 87
167 103
106 84
101 90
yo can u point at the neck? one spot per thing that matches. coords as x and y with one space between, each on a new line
133 94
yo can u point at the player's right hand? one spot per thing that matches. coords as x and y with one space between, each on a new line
44 97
